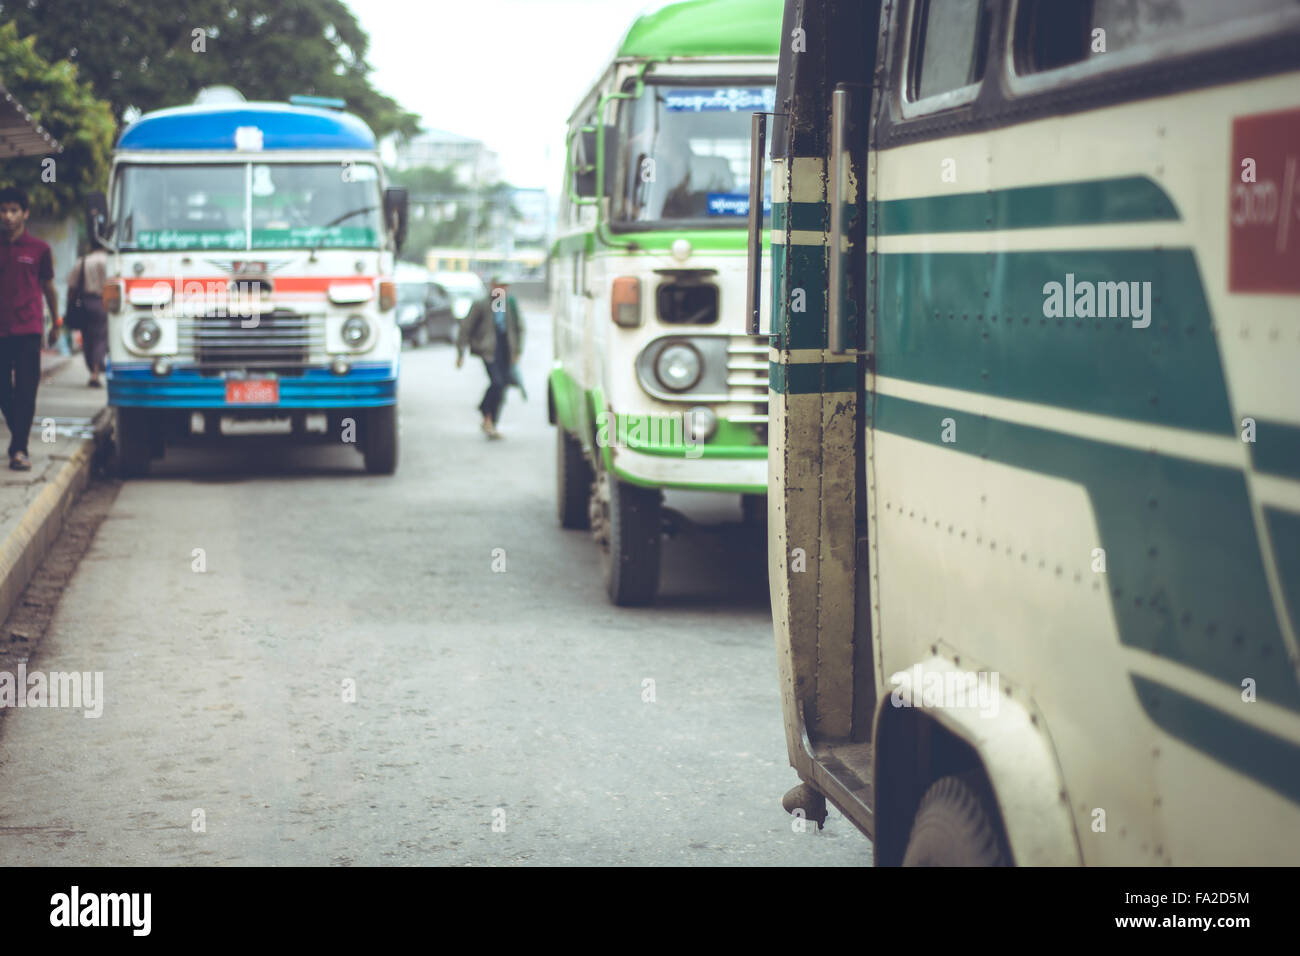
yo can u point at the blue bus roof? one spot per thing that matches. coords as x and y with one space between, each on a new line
214 127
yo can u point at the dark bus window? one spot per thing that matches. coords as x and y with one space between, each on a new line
1056 33
947 46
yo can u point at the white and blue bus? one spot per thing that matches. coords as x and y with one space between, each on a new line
251 254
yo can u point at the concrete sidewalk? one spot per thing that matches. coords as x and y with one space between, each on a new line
33 503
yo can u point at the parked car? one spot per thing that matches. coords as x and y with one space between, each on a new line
424 312
442 315
465 288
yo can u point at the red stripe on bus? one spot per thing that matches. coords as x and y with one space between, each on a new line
279 283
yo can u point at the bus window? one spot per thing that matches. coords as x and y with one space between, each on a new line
165 207
685 153
298 205
947 47
1056 33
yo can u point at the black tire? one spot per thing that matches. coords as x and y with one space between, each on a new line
954 827
573 477
133 442
422 336
634 536
381 440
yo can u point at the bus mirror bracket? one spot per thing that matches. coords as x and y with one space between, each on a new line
396 200
754 260
97 225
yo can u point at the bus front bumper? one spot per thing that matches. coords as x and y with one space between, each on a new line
364 385
747 475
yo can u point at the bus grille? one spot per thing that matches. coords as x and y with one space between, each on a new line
747 377
281 341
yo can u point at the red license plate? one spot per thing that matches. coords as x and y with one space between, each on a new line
255 391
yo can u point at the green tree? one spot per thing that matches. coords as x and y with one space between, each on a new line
71 113
149 54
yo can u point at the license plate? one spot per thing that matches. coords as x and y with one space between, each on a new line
255 391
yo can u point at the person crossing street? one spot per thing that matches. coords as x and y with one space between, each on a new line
494 331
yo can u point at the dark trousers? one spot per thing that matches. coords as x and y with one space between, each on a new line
94 342
498 376
20 373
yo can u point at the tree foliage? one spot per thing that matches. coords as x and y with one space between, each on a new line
149 54
71 113
449 222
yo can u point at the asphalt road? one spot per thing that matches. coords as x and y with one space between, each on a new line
500 717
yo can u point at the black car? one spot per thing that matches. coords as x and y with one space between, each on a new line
424 313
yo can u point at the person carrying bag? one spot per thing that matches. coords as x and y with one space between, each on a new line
85 312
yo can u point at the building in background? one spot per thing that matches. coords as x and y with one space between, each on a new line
473 162
534 212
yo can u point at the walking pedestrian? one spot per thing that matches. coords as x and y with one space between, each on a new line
26 275
85 311
494 331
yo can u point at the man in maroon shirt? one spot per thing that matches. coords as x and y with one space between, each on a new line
26 273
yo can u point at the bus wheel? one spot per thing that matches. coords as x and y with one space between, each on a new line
573 479
133 442
381 440
629 529
953 827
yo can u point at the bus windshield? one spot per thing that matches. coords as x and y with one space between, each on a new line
685 154
291 205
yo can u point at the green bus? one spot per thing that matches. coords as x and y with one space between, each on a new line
1034 512
655 383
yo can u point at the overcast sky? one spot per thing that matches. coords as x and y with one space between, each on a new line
507 72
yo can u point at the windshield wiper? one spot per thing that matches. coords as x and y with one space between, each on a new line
334 222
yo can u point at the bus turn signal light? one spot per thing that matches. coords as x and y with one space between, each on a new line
112 297
625 302
387 295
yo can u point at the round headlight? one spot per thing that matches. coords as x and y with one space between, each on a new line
355 331
679 367
146 333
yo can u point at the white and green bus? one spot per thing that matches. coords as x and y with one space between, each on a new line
656 384
1034 512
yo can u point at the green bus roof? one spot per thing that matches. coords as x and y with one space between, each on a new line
706 28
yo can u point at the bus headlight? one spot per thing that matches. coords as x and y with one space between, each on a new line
356 332
146 333
679 367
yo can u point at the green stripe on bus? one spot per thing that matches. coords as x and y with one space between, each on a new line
663 435
799 297
567 397
974 321
1270 760
801 216
1276 449
1130 199
1183 561
569 245
805 378
730 239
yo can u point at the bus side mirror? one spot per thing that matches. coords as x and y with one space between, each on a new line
396 200
97 227
584 163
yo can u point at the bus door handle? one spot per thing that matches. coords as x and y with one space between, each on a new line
754 275
841 110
